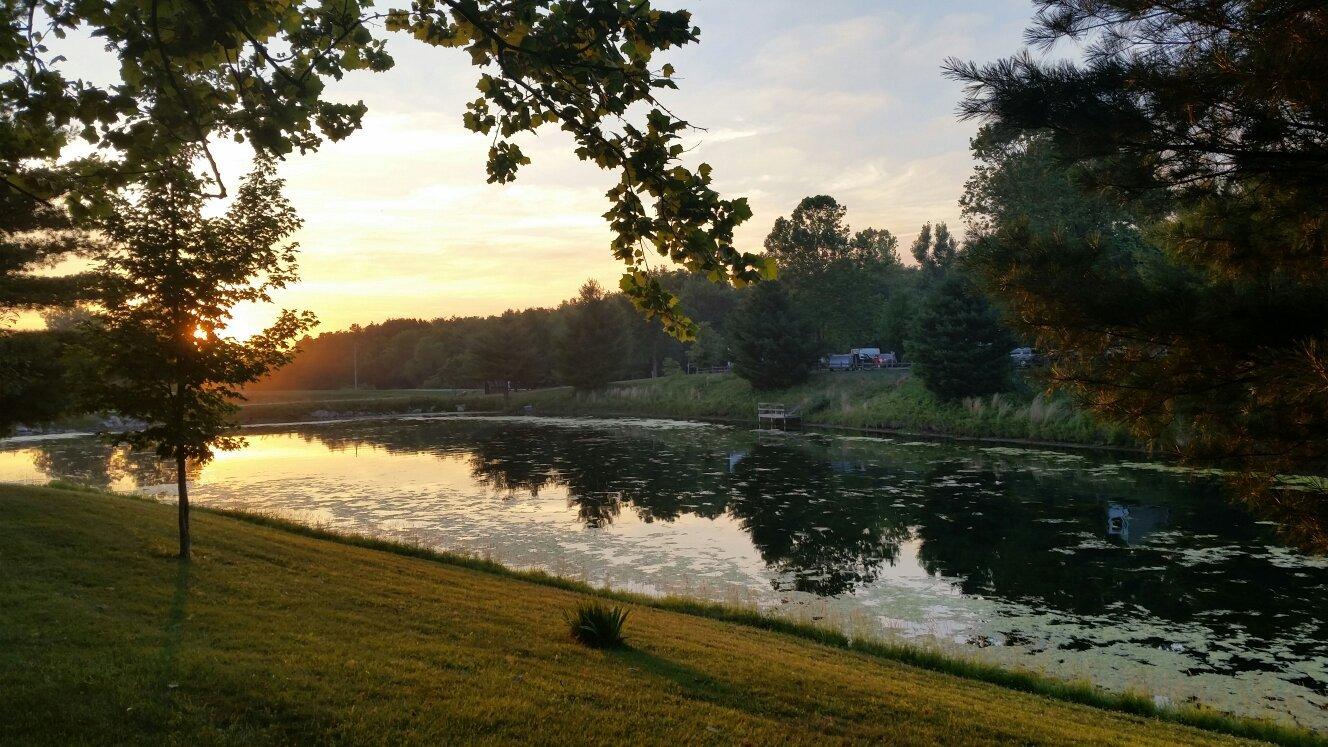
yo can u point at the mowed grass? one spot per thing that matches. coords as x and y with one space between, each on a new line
273 636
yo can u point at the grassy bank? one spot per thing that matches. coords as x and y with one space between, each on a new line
882 400
273 635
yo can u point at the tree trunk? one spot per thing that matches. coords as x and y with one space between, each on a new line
182 488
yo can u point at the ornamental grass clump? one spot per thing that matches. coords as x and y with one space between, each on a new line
598 625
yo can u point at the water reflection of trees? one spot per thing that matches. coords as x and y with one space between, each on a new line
817 532
1042 540
96 463
810 523
827 515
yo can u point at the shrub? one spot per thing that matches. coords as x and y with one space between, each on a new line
598 625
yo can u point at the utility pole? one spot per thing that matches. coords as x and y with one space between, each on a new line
355 356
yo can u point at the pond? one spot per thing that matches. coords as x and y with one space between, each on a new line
1127 573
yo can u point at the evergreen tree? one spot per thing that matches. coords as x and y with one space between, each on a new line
591 347
1206 125
160 353
960 349
772 346
34 236
36 384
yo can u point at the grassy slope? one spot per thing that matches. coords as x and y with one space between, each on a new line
866 399
274 636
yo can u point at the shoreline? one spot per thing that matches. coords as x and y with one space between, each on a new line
829 428
872 404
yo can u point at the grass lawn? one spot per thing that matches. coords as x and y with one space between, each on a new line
274 636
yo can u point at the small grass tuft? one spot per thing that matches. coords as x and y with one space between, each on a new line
598 625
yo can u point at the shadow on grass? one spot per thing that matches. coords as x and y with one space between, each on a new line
696 685
174 632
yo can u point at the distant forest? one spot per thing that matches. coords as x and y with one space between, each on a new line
525 347
850 289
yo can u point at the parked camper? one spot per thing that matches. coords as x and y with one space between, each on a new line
841 361
870 357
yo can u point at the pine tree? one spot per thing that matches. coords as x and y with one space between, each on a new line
1201 128
960 349
591 346
772 346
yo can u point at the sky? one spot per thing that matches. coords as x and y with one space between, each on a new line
796 98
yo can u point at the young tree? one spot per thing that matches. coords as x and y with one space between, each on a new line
960 349
772 346
591 346
161 353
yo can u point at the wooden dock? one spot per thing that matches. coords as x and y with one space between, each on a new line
776 414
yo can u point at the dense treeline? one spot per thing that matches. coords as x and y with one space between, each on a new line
592 338
843 289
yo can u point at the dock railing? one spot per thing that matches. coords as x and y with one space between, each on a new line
775 412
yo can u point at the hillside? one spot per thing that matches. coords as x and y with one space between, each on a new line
273 636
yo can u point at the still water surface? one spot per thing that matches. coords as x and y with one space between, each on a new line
1130 574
